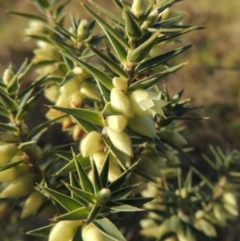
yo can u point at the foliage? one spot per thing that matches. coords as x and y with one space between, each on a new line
105 91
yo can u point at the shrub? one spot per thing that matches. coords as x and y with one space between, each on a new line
127 152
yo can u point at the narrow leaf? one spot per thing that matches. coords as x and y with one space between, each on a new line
83 177
93 213
107 27
76 214
9 128
31 16
152 80
41 232
99 75
115 67
7 101
161 59
97 182
65 201
109 229
84 114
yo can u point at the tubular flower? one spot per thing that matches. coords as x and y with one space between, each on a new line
147 103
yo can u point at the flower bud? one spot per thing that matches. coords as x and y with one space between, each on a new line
82 30
91 233
120 102
120 140
52 93
4 209
69 88
103 196
34 201
138 7
150 20
143 125
120 83
90 91
46 54
206 227
64 231
117 122
219 214
90 143
7 76
164 14
76 100
19 187
77 132
13 172
7 152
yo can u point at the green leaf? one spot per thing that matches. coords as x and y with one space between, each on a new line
93 213
40 129
115 67
132 27
83 177
9 128
107 27
111 15
84 197
31 16
154 79
99 75
123 191
173 35
65 201
83 114
118 183
28 106
7 101
13 85
124 208
109 229
75 183
161 59
97 185
10 165
104 91
41 232
70 166
138 202
4 112
76 214
139 53
104 172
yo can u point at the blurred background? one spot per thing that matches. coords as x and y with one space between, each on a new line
212 75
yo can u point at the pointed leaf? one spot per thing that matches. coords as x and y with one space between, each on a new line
99 75
109 229
83 177
135 201
152 80
31 16
84 114
107 27
76 214
161 59
10 165
118 183
93 213
115 67
41 232
131 24
96 179
75 183
7 101
70 166
123 191
40 129
84 196
65 201
104 172
111 15
9 128
4 112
